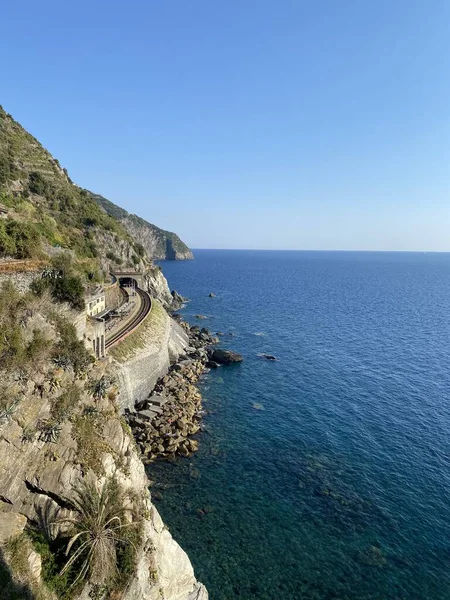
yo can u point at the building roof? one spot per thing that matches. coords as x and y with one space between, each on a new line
94 293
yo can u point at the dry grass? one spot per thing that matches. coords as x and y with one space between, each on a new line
91 445
152 328
22 266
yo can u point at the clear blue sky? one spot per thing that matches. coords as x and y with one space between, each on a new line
246 124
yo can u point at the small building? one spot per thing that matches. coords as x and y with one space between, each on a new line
95 301
3 212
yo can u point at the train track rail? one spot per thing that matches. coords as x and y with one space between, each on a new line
145 308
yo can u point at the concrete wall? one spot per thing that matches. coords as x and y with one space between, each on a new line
137 377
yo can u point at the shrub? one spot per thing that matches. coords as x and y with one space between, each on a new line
69 289
38 347
64 406
52 554
65 285
99 532
19 239
114 258
140 250
70 351
37 184
12 341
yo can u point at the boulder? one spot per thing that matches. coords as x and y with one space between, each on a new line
212 364
225 357
177 300
11 525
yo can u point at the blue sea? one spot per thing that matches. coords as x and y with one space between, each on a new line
324 474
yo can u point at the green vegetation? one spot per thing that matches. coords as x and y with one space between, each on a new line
62 281
17 349
114 258
22 348
52 552
88 433
19 239
69 351
46 207
104 537
64 406
15 588
101 387
168 244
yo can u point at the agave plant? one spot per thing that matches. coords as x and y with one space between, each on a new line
90 410
28 434
100 388
49 431
6 412
62 361
50 273
99 528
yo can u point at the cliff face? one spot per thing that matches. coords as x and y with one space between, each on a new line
60 413
36 478
62 425
158 243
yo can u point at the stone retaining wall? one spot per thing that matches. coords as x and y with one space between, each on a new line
137 377
22 281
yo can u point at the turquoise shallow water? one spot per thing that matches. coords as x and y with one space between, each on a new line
339 487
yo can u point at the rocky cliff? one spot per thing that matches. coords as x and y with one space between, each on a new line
67 456
158 243
60 425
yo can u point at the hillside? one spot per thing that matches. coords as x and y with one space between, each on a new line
47 212
158 243
76 515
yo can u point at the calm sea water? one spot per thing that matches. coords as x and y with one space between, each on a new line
337 485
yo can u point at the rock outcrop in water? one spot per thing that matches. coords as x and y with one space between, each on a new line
225 357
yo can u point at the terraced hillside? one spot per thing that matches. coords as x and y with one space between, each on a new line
47 212
158 243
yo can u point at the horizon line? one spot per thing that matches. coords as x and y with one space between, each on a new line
323 250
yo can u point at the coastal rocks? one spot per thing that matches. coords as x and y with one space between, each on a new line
212 364
268 356
225 357
178 301
156 284
164 422
162 427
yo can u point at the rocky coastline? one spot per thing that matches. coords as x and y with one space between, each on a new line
164 423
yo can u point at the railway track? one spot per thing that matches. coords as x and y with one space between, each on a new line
145 308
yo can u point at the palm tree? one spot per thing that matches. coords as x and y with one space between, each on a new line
99 529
